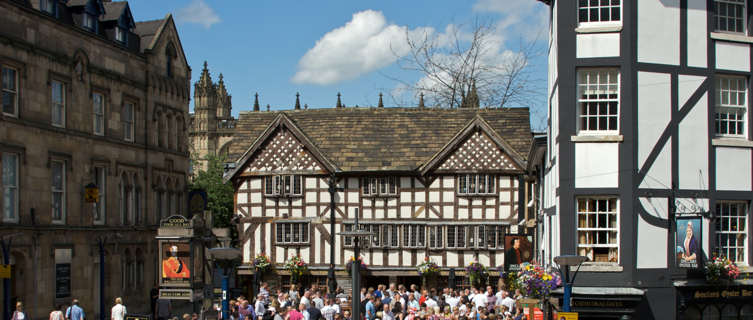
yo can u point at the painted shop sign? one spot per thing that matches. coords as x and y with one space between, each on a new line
176 294
727 293
599 303
688 240
175 222
176 263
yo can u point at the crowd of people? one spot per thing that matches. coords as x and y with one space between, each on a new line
393 302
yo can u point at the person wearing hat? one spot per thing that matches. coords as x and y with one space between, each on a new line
173 267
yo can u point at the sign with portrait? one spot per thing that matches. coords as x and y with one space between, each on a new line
175 264
518 249
688 242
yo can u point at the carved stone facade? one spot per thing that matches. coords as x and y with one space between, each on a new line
211 125
93 97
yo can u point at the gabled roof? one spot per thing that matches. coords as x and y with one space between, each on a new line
147 30
113 10
388 139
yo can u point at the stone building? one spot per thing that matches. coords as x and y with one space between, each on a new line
211 126
89 97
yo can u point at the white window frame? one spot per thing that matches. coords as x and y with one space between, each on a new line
498 233
88 22
284 230
414 236
120 34
10 213
599 23
580 116
128 121
724 106
387 186
100 208
390 236
724 226
58 190
10 91
727 17
454 244
435 237
593 231
477 184
57 105
283 185
98 113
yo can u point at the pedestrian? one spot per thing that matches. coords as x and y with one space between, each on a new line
259 307
119 310
75 312
57 314
164 309
19 313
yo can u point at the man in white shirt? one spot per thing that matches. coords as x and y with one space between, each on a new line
507 301
452 300
328 311
479 299
119 310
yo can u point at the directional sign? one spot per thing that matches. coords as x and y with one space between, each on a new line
4 271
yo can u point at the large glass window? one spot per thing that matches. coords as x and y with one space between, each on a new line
456 236
380 186
598 101
436 238
58 190
731 106
128 121
58 103
599 11
10 187
597 229
89 22
731 230
729 15
10 91
414 236
288 185
98 106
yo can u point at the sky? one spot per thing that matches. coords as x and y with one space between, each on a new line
320 48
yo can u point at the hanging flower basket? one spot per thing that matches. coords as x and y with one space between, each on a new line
719 270
476 272
261 263
349 265
297 268
536 281
428 268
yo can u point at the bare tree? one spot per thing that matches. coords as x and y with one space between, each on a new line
453 62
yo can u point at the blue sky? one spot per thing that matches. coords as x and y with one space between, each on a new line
270 47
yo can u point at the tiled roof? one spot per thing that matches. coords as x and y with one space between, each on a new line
113 10
147 30
374 139
76 3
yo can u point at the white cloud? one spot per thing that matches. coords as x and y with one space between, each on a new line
197 12
364 44
524 19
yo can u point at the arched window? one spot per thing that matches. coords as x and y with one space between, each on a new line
166 131
139 269
168 198
170 55
126 262
158 128
179 136
125 198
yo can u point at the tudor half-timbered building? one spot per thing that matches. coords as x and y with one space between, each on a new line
434 183
648 164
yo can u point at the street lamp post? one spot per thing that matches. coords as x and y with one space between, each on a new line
6 282
102 242
356 266
226 259
565 262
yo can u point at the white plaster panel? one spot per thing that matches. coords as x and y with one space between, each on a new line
391 213
448 212
448 182
257 240
733 169
255 183
476 213
452 259
256 211
693 150
489 214
477 202
269 202
326 246
468 257
697 33
283 212
732 56
279 255
352 197
244 185
393 257
324 197
435 184
405 196
651 243
654 110
311 211
659 31
448 196
317 246
256 197
657 207
462 201
305 254
504 196
269 212
352 182
297 212
391 202
367 214
705 231
404 212
297 202
406 258
311 197
377 258
339 196
242 197
247 254
594 45
420 197
433 196
310 183
504 212
596 165
483 258
504 181
462 213
420 255
659 176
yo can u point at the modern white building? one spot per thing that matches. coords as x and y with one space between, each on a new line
648 109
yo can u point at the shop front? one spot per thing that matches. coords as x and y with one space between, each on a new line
700 300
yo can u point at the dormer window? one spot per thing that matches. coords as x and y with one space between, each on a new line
120 35
89 22
47 6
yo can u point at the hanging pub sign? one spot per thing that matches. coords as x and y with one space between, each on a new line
688 240
518 249
175 222
176 264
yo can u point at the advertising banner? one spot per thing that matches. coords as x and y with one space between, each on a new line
176 264
518 249
688 242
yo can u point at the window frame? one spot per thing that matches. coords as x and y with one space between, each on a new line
128 120
729 109
580 100
716 17
380 186
121 36
15 91
463 182
100 115
455 237
48 6
435 237
15 187
100 208
742 214
54 105
600 23
62 191
283 185
414 236
89 22
587 229
302 227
